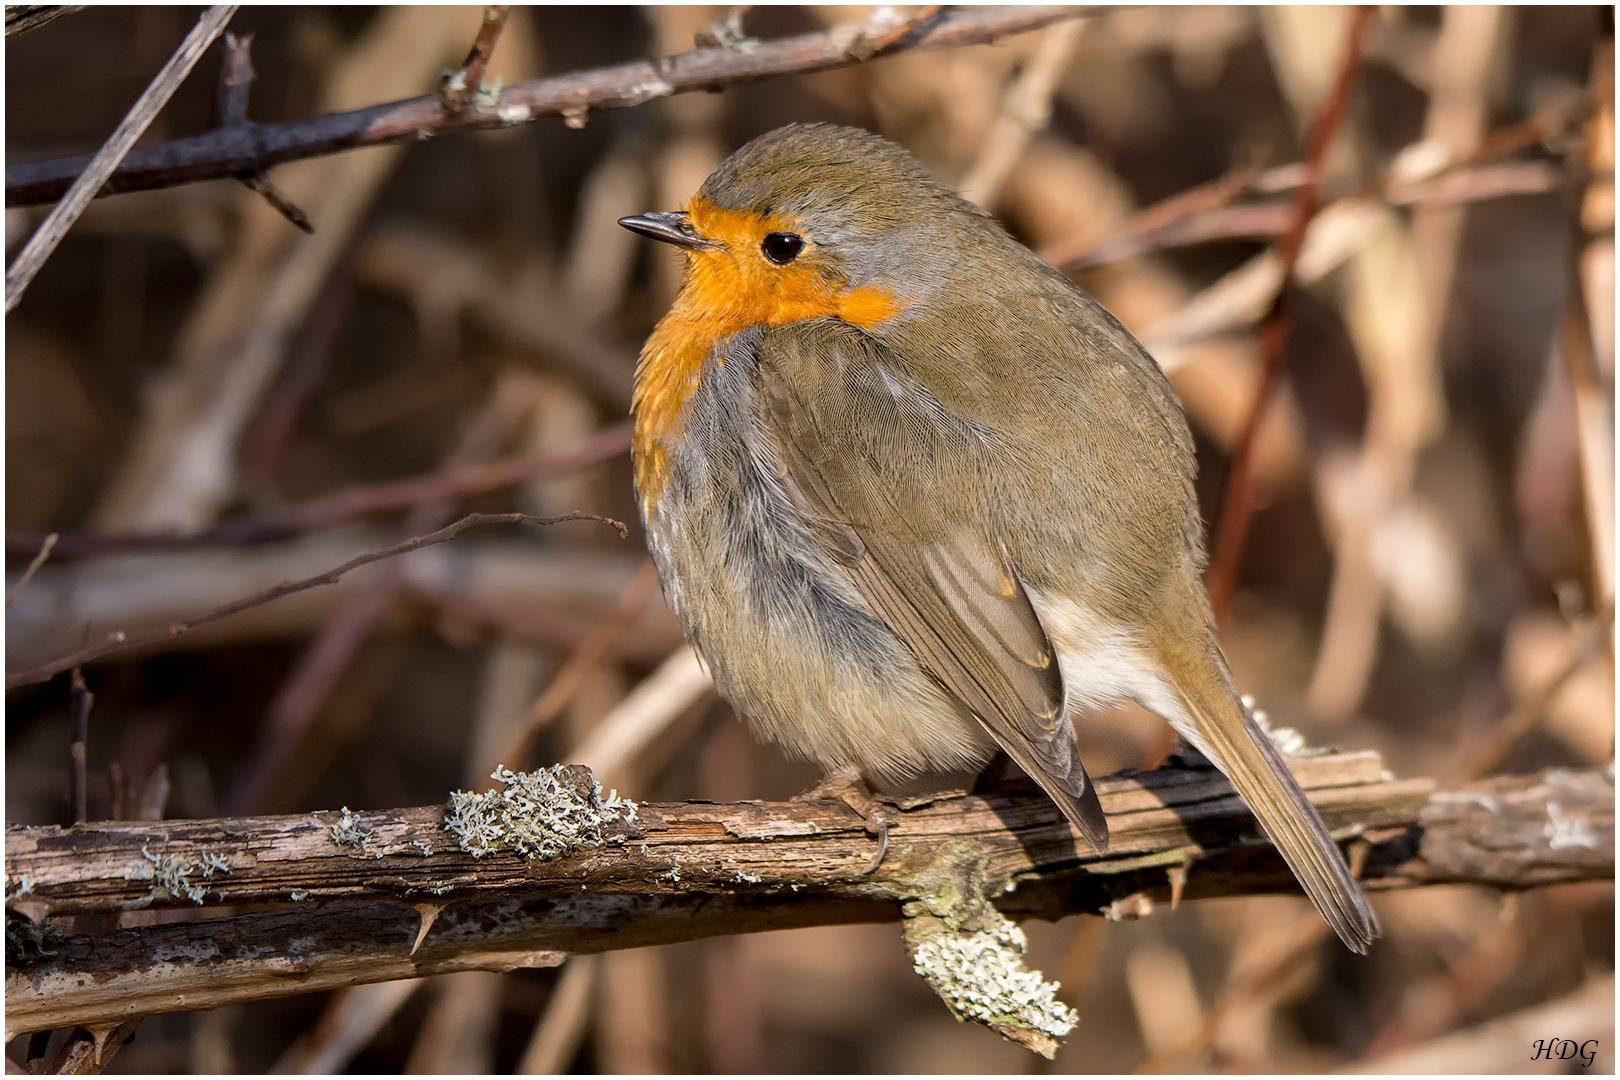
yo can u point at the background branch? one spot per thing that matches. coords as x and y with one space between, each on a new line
119 640
255 147
94 172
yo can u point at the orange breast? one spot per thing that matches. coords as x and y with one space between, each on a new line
727 290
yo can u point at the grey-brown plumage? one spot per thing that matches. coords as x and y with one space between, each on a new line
901 535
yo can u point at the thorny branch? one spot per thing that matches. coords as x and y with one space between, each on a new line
118 640
231 150
357 882
235 78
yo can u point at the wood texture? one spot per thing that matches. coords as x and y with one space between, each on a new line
690 870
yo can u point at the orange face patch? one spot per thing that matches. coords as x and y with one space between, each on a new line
727 290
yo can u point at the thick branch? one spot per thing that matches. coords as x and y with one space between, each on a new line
253 147
689 870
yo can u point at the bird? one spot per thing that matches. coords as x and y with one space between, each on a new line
915 496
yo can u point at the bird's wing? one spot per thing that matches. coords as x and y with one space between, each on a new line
886 479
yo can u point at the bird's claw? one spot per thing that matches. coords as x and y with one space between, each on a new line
845 786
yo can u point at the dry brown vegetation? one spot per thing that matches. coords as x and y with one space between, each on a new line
203 402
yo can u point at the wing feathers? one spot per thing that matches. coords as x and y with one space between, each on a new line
946 592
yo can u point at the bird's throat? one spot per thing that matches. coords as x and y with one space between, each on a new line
726 290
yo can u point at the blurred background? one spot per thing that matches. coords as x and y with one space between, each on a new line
1430 558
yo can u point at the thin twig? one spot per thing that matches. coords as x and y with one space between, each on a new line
323 663
454 482
227 151
33 568
1233 528
1204 213
1144 231
463 86
261 184
586 656
1300 939
1026 109
235 78
1529 713
351 1020
662 697
87 1053
61 218
79 701
119 640
561 1027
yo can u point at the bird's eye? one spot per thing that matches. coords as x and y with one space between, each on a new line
782 247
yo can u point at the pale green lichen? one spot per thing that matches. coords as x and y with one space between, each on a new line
971 955
543 814
171 875
349 831
981 976
487 97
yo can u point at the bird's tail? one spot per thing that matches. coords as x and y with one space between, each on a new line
1215 721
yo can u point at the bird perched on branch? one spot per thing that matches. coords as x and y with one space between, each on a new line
914 495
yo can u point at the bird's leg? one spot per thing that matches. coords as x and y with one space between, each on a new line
846 785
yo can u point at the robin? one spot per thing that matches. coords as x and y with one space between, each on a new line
914 495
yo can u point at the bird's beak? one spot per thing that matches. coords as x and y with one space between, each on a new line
672 227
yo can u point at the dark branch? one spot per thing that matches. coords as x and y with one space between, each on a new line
227 151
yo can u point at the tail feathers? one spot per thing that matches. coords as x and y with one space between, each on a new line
1223 731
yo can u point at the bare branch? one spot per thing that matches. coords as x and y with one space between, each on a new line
228 151
1232 528
235 78
45 547
461 87
1587 646
106 160
449 483
118 640
688 870
585 656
